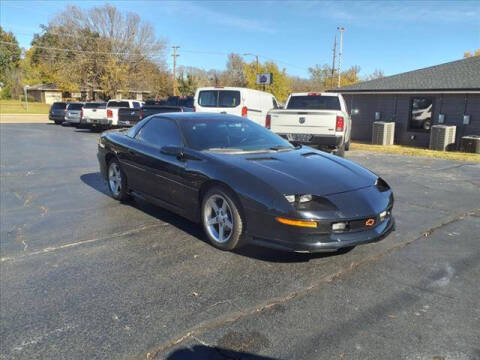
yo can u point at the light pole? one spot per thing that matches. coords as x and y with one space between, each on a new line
25 88
175 55
341 29
256 58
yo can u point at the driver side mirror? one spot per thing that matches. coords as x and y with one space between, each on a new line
172 150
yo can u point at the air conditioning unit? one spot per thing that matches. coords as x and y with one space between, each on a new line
441 136
383 133
470 143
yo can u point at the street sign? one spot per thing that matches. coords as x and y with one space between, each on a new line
264 79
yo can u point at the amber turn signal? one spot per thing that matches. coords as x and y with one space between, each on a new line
301 223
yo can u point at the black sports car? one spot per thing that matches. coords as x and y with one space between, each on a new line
245 183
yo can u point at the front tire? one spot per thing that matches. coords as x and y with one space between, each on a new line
222 220
116 181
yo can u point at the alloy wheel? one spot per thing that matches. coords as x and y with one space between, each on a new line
115 178
218 218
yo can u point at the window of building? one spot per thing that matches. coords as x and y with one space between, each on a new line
421 113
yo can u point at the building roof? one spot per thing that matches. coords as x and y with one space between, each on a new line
460 75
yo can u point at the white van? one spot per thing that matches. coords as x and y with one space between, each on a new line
253 104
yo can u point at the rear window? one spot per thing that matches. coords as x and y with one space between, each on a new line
95 105
219 98
59 105
75 106
118 104
314 102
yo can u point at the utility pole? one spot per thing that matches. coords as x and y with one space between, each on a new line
333 62
340 52
175 55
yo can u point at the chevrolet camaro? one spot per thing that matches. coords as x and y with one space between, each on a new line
245 184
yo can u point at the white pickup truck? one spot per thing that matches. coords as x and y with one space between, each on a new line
114 105
94 113
319 119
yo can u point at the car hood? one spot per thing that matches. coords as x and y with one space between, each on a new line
303 171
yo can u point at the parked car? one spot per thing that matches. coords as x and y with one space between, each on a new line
246 184
94 113
74 113
128 117
319 119
253 104
57 112
166 106
112 110
186 103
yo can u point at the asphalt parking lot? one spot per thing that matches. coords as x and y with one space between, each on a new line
83 276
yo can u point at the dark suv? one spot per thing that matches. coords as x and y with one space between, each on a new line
57 112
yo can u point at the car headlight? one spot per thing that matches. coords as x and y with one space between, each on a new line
298 198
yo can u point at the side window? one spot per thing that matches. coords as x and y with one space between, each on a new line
159 132
134 129
421 111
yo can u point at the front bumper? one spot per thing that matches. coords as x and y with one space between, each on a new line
330 242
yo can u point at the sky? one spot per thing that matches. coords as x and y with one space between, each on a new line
394 36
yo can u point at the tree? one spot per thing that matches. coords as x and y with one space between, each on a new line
10 75
78 49
298 84
281 82
321 75
234 75
186 84
468 54
377 74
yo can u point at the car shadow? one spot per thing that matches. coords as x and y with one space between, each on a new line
95 181
204 352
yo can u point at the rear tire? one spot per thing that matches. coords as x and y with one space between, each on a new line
341 150
347 146
57 122
116 181
221 218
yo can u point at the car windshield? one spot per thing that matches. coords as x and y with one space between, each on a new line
227 135
118 104
314 102
75 106
95 105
